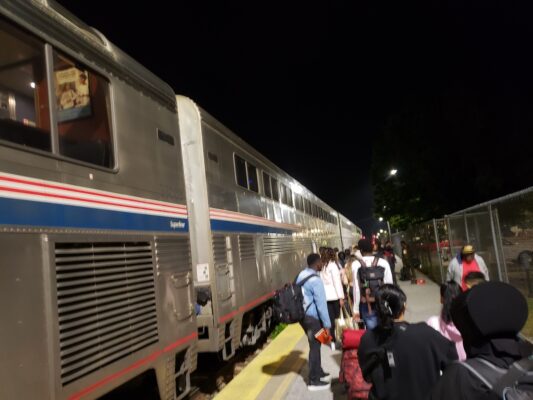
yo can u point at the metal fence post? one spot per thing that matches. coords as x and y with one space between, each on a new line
450 240
439 255
466 228
495 243
500 242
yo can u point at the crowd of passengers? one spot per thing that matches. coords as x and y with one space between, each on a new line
444 358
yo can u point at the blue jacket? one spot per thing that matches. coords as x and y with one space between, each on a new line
314 297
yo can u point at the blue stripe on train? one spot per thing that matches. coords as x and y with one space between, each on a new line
230 226
28 213
39 214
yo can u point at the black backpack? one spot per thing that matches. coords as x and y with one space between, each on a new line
515 383
370 278
289 300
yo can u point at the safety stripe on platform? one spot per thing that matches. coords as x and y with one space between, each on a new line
249 383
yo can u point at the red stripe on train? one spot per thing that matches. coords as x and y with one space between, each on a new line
57 196
112 196
146 360
246 307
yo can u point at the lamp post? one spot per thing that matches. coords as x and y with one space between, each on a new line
388 227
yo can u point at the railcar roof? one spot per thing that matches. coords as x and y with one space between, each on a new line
254 153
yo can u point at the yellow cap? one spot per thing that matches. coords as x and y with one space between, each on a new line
468 249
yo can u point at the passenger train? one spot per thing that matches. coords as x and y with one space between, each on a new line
120 203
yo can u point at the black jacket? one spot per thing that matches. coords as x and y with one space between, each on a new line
458 383
418 354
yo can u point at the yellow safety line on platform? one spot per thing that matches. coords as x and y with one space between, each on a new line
251 380
284 385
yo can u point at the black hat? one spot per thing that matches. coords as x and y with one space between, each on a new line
492 310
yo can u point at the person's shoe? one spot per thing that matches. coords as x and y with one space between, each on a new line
325 377
316 386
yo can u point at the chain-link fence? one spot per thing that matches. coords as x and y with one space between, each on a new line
501 231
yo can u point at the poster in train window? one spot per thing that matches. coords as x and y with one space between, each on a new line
72 94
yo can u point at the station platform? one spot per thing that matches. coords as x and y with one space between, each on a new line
280 371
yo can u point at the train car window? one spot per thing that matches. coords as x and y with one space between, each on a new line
289 197
307 206
83 113
24 109
266 185
298 202
252 178
240 172
275 189
283 193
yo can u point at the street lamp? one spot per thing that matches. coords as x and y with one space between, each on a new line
393 172
388 227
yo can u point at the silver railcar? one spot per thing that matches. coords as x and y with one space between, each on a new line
95 278
252 225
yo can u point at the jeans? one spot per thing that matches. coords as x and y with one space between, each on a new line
370 320
311 326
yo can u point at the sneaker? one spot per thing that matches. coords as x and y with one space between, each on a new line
316 386
325 377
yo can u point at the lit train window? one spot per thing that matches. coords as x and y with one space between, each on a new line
298 202
289 197
275 189
83 111
266 185
283 193
240 172
252 178
24 111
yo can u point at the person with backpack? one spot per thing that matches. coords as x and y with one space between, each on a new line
316 317
402 360
369 273
499 364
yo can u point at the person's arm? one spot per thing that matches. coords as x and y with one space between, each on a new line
388 274
483 267
319 297
451 271
337 282
355 267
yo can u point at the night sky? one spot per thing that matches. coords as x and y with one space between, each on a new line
311 85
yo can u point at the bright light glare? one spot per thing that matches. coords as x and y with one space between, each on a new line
380 219
32 85
393 171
